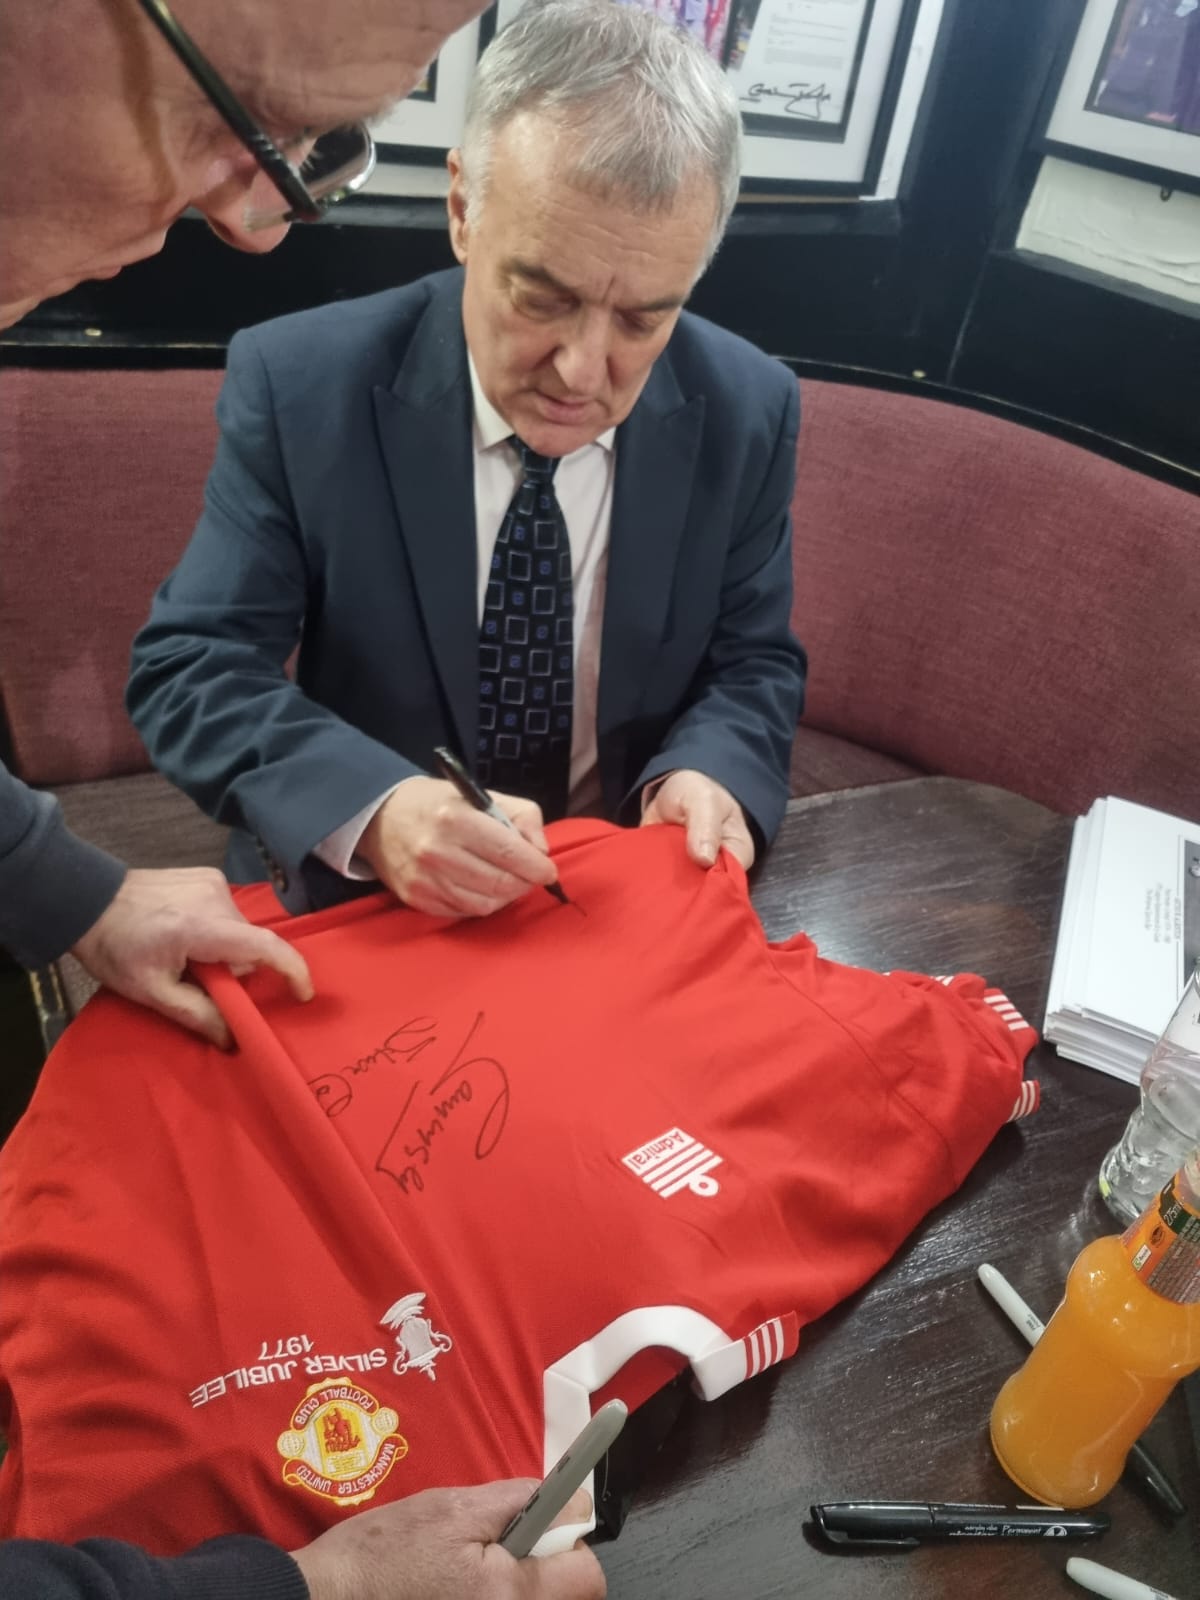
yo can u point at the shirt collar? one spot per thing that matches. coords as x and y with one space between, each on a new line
490 428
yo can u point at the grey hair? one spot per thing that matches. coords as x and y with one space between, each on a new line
650 109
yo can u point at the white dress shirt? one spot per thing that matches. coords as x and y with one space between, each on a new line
584 485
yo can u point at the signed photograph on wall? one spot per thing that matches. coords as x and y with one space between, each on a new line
795 64
817 81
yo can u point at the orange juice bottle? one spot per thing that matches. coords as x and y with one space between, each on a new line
1127 1330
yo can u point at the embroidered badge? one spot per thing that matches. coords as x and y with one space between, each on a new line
418 1343
675 1161
342 1443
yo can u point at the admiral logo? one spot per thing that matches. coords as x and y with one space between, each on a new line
675 1161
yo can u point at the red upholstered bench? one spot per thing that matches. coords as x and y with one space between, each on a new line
983 600
101 480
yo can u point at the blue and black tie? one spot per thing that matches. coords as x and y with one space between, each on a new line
526 651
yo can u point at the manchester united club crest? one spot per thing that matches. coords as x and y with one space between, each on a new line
342 1443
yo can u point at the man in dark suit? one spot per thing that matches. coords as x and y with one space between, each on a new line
379 463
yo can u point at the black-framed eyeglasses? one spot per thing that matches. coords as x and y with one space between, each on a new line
339 162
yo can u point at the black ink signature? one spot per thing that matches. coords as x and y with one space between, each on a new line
429 1106
416 1134
334 1091
803 99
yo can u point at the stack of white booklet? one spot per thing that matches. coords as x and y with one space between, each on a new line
1129 935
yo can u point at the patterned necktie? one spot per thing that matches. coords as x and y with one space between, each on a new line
526 653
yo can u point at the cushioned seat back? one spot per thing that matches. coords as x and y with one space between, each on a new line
101 481
982 600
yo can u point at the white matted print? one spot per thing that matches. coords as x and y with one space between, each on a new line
811 84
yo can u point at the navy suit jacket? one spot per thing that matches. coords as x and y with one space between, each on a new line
339 523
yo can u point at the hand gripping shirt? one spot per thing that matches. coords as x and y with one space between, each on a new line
410 1233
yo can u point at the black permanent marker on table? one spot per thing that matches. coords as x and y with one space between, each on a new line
452 769
904 1523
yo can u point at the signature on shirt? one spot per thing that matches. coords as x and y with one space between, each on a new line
471 1091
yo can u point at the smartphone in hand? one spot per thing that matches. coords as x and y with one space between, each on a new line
564 1477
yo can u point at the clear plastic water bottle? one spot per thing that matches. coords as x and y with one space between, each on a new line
1165 1128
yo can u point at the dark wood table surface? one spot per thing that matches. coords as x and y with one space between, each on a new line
888 1396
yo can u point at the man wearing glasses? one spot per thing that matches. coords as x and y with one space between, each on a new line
107 138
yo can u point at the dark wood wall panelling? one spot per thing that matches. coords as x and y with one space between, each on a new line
929 284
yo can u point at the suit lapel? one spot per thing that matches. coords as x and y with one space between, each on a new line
424 424
656 462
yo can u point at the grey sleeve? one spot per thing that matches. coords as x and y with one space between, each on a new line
53 886
234 1568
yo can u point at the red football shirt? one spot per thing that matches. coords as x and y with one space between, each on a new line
405 1233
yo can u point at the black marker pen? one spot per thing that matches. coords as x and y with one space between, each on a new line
452 769
902 1524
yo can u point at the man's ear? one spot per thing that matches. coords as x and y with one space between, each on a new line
456 206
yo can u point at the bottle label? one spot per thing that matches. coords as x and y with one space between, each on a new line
1164 1247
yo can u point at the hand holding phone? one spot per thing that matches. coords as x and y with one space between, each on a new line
564 1477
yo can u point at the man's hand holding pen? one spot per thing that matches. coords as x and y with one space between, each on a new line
449 847
445 1542
439 854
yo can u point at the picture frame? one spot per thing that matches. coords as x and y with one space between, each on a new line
819 81
831 70
1129 97
422 128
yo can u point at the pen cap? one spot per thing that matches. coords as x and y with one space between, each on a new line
854 1522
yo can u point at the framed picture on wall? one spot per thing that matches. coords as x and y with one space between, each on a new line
1130 95
430 121
817 80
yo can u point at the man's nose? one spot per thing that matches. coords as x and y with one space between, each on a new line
582 357
228 205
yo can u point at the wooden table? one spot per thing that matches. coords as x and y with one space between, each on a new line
889 1395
